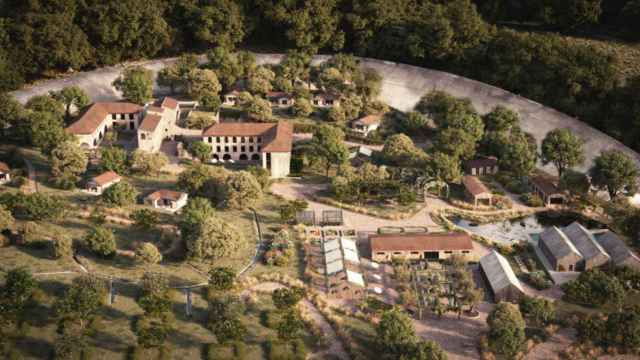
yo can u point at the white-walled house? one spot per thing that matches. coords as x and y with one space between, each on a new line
5 173
158 124
366 124
167 200
265 144
102 182
280 99
93 124
325 100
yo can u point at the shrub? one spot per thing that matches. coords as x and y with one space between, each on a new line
594 288
144 219
531 199
537 279
120 194
148 253
101 241
62 247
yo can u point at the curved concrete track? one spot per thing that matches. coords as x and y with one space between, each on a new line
402 87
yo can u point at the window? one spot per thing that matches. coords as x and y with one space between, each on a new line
259 147
226 149
114 116
415 253
217 148
243 148
235 139
250 139
251 148
259 139
210 139
122 116
465 251
226 139
217 139
381 253
143 136
448 252
397 253
243 139
131 116
235 149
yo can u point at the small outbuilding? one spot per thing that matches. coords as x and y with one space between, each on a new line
484 165
280 99
436 246
167 200
618 251
593 255
475 191
5 173
367 124
102 182
503 282
546 187
325 100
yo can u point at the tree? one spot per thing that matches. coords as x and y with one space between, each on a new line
71 96
442 107
594 288
120 194
562 148
519 155
101 241
328 145
289 210
258 109
394 334
148 163
414 123
175 75
113 159
456 142
200 121
262 175
212 239
506 329
241 190
539 310
68 161
260 80
615 172
202 84
135 83
148 254
152 332
575 182
444 167
337 115
6 219
287 298
221 23
45 130
200 150
145 219
290 325
400 150
11 111
16 293
81 300
427 350
195 212
501 119
222 279
573 13
302 107
46 104
62 247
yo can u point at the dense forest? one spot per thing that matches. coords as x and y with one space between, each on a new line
515 44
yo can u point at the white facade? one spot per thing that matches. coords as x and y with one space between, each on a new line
127 121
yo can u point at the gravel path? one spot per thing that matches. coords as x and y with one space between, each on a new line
402 87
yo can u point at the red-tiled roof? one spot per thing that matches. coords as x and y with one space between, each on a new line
150 122
482 162
277 137
369 120
170 103
106 178
421 242
474 185
97 113
4 167
166 194
327 96
155 109
278 95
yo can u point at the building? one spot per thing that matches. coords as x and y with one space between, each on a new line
367 124
344 279
618 251
102 182
265 144
475 191
231 98
280 99
593 255
503 282
5 173
546 187
485 165
560 252
92 125
158 124
385 247
325 100
167 200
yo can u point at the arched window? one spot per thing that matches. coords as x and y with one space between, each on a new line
244 157
226 157
255 157
215 157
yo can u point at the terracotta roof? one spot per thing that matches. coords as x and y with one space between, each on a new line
277 137
169 102
327 96
483 161
166 194
474 185
370 119
106 178
4 167
150 122
97 113
421 242
278 95
155 109
546 183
